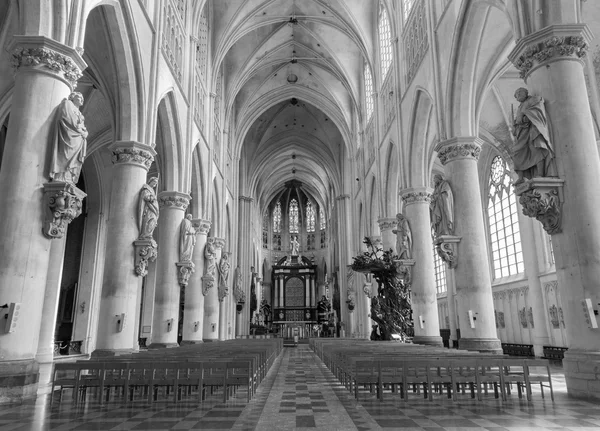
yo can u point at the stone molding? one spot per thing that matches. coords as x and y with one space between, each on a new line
219 243
146 250
202 226
553 43
447 248
184 272
63 203
416 195
246 199
542 199
174 200
132 153
208 282
387 223
48 55
458 149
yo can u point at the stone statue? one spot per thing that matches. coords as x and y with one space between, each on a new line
224 267
210 254
532 153
238 292
441 208
403 237
187 239
295 246
69 141
148 209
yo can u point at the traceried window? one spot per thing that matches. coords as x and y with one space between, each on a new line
440 272
293 216
407 6
310 217
368 91
202 44
277 218
385 41
323 220
505 237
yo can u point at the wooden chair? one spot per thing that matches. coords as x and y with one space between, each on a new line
366 373
416 373
513 371
464 373
538 371
490 373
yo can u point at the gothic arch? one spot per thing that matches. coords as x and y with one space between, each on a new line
391 176
420 124
168 142
199 191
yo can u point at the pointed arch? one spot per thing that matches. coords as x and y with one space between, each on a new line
391 176
421 121
198 188
168 142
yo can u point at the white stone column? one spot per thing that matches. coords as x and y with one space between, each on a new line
472 273
120 285
451 291
388 238
244 257
193 308
46 72
558 77
165 322
211 299
423 288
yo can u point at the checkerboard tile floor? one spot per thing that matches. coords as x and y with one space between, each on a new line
300 393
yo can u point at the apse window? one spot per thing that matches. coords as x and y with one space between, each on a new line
505 236
277 218
294 216
310 217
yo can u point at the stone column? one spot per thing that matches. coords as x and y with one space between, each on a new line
388 239
472 273
165 322
451 295
223 301
558 77
46 73
193 311
121 284
423 290
211 299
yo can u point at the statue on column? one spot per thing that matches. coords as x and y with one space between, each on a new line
148 209
210 254
532 153
403 237
70 141
224 268
238 291
441 208
187 239
295 246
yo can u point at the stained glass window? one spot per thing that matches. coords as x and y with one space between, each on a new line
440 272
293 216
385 41
505 237
277 218
323 220
310 217
368 91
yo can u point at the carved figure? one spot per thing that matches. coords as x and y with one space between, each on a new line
70 141
210 254
148 209
224 268
532 153
295 246
441 208
403 237
187 239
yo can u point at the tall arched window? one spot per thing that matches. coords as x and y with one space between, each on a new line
368 91
310 217
505 237
293 216
407 6
277 218
440 272
323 220
385 41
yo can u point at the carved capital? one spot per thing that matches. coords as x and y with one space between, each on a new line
553 43
146 250
459 148
219 243
246 199
416 195
542 199
132 153
208 282
387 223
202 226
48 56
184 271
63 203
174 200
447 248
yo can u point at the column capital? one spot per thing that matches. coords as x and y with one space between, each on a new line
48 56
342 197
246 199
387 223
202 226
174 200
553 43
219 243
132 153
459 148
415 195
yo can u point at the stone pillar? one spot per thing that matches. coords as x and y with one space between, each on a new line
193 311
165 322
451 295
211 299
423 289
223 301
558 77
46 73
120 285
472 273
386 225
244 257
